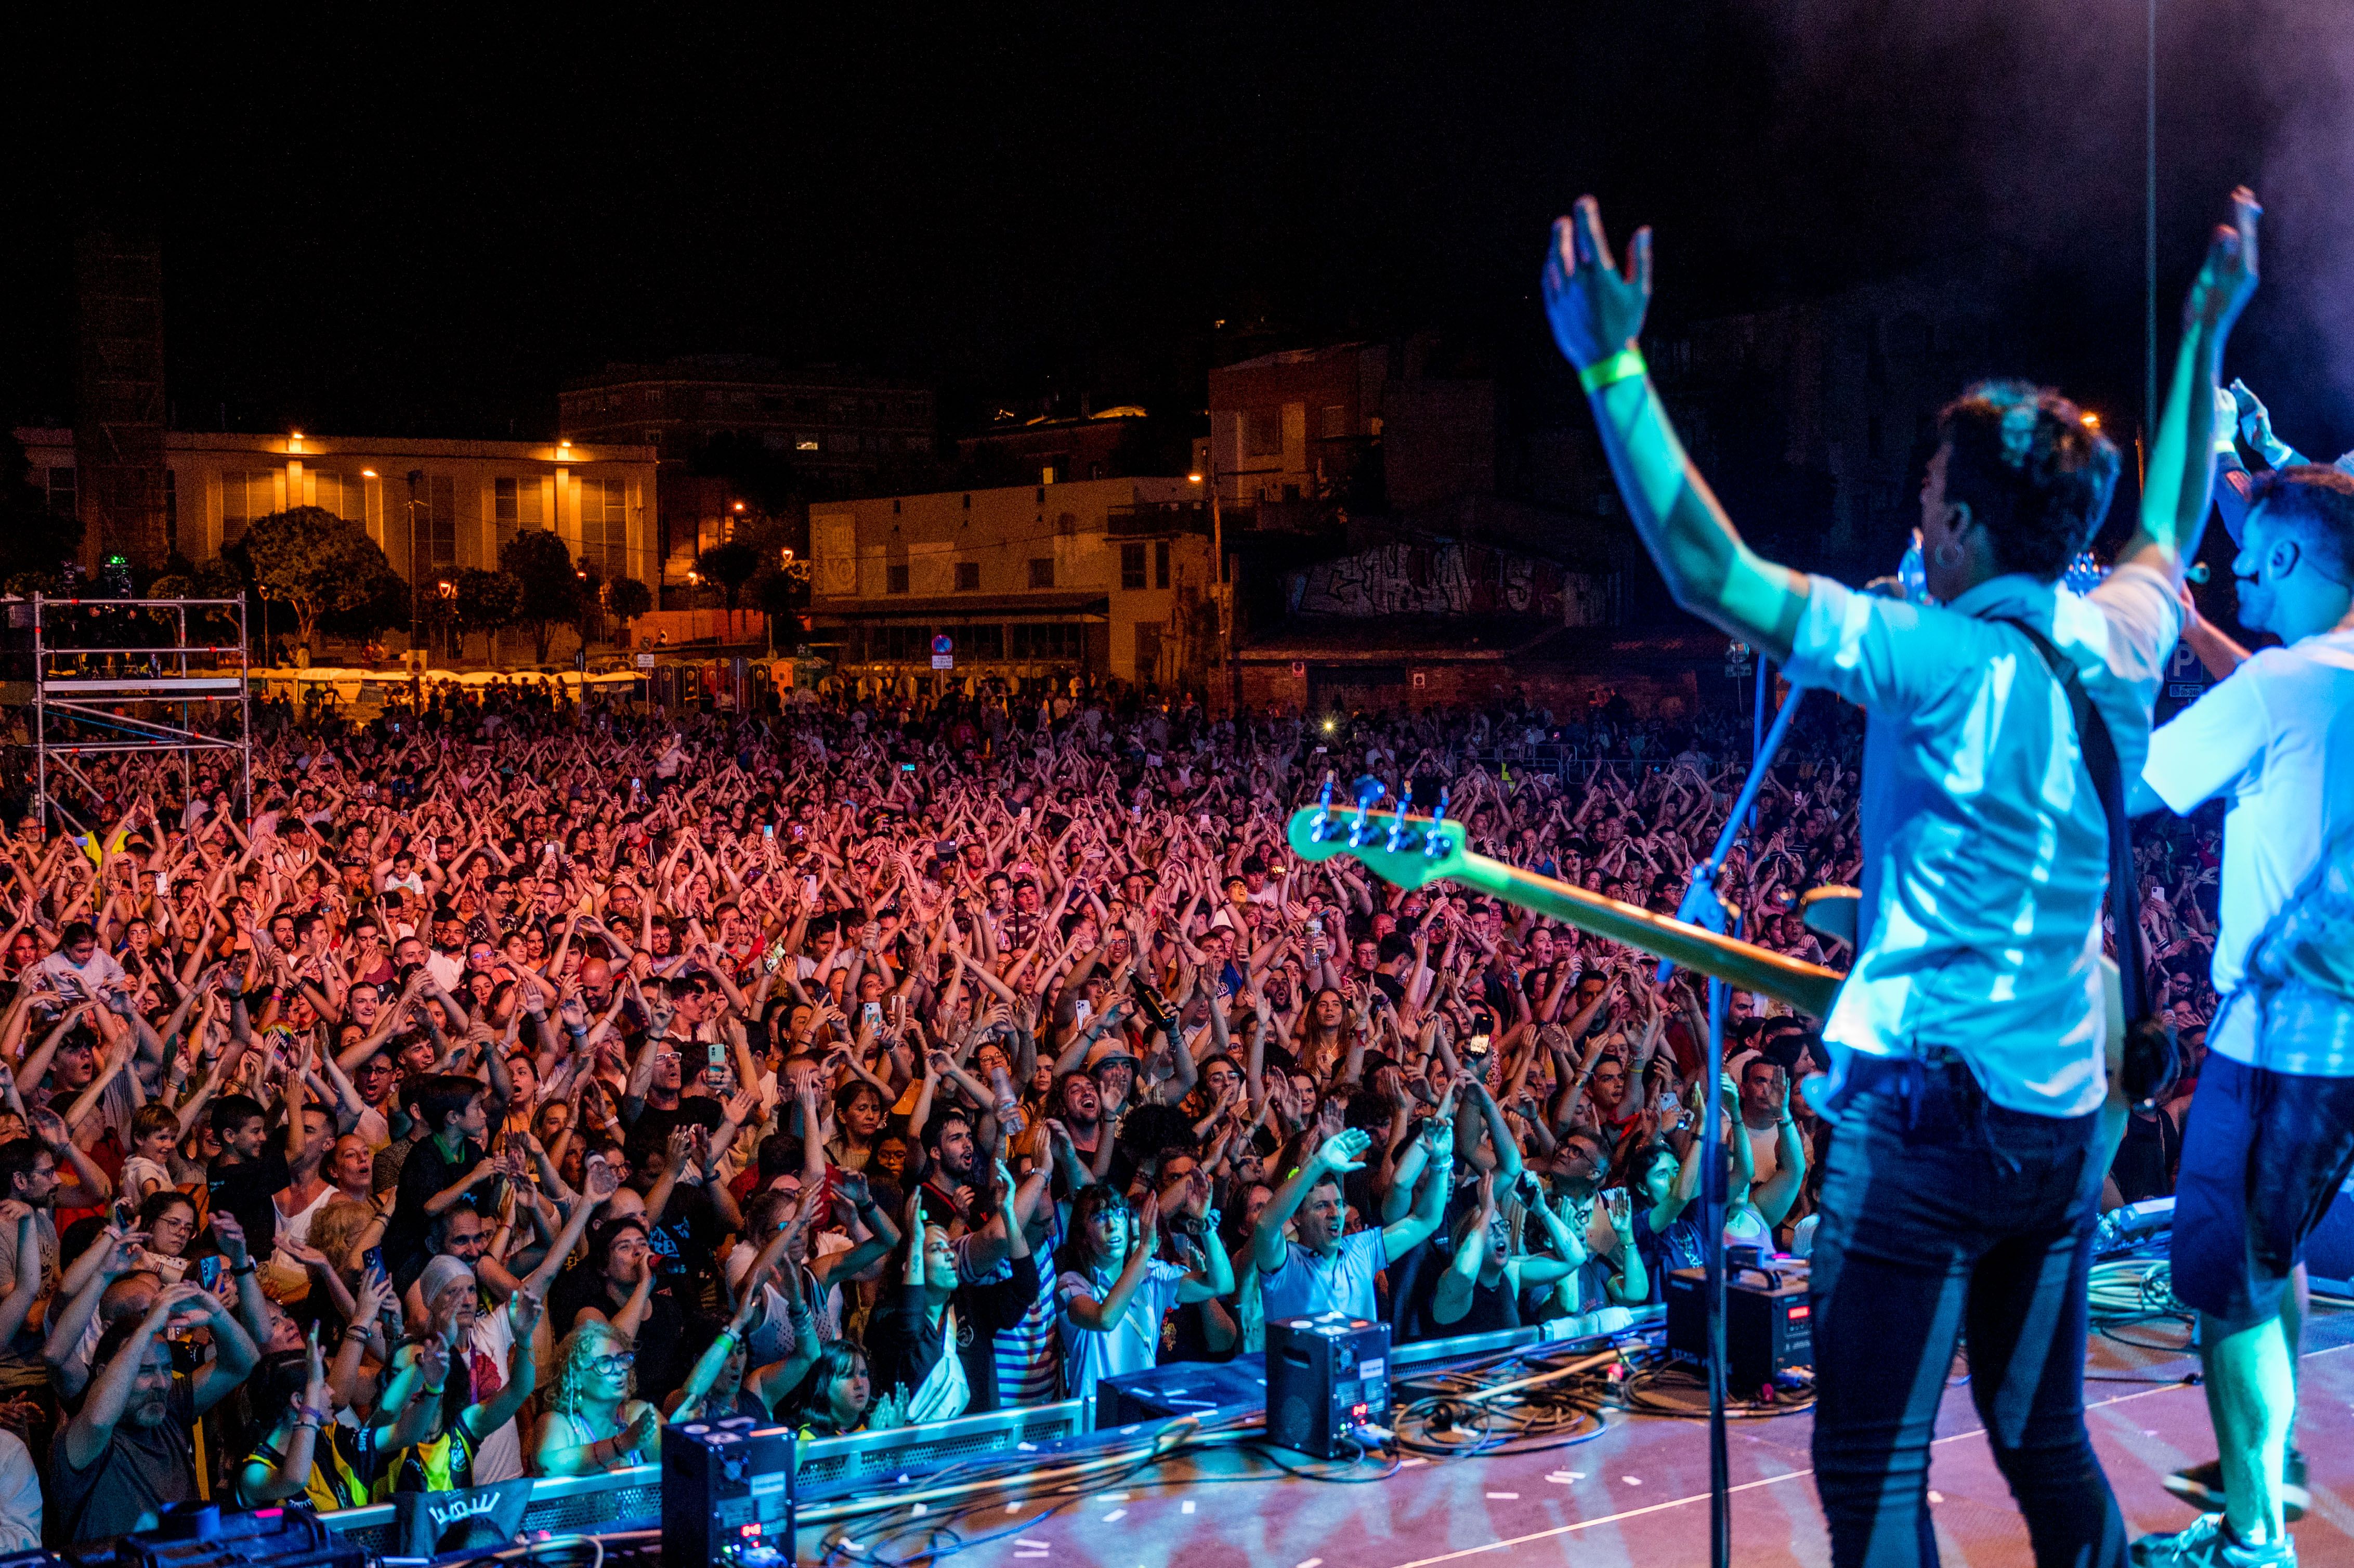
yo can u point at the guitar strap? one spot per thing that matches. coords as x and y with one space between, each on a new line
2100 753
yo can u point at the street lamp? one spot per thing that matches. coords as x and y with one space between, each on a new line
416 608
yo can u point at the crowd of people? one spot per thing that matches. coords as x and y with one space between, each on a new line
511 1079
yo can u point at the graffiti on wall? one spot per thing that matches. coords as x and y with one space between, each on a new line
1440 578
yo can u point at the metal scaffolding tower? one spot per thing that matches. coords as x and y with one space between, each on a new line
93 700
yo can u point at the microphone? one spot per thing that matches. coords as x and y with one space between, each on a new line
2197 572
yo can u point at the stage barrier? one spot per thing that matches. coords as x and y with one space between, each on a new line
826 1468
866 1462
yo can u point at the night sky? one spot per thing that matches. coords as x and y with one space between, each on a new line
421 228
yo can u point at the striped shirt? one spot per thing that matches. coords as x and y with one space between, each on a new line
1029 1355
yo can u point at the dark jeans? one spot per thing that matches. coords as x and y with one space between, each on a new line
1943 1215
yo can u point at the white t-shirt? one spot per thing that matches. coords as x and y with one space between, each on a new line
295 1230
82 982
2276 740
1131 1344
1986 850
138 1172
500 1456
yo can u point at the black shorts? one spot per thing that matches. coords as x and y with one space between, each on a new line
2264 1154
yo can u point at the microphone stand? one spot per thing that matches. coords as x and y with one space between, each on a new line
1700 906
1703 905
1711 1219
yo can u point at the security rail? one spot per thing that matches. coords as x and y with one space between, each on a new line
829 1468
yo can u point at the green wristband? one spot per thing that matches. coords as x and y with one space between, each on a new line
1623 365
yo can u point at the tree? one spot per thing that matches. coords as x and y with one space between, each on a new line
537 560
731 565
34 541
326 568
628 598
487 601
216 579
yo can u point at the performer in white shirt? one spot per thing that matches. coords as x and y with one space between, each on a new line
2270 1136
1968 1040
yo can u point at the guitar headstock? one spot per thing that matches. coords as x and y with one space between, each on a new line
1406 850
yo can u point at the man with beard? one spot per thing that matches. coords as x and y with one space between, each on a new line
953 1180
1082 1113
2270 1137
127 1452
29 1173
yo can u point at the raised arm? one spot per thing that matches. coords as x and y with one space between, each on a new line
1102 1317
1336 1155
2181 474
1453 1297
1597 314
1775 1195
87 1436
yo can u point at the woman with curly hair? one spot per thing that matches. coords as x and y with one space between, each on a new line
593 1422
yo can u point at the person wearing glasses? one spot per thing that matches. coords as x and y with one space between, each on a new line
595 1422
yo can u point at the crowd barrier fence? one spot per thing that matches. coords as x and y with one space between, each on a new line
864 1464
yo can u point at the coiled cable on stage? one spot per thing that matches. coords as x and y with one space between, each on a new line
2129 1292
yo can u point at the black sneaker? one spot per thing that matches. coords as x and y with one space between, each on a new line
2201 1486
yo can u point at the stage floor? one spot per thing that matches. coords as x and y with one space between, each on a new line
1638 1495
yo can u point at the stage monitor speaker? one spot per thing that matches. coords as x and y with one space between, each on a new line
1768 1325
1325 1377
2329 1250
727 1494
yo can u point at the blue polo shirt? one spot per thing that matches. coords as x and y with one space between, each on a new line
1308 1284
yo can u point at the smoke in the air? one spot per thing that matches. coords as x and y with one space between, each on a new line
2022 123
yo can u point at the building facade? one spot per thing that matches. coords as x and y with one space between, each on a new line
1055 451
1285 427
468 497
830 424
1106 577
836 432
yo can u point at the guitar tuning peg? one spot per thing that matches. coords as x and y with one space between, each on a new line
1323 810
1434 843
1369 791
1397 830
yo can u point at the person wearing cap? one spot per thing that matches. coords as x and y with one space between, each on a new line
460 1426
480 1344
1113 1067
